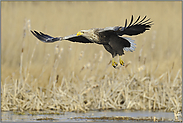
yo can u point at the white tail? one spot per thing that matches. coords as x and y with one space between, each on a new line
132 45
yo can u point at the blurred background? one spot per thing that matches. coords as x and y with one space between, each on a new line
157 50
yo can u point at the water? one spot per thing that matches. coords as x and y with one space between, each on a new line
66 117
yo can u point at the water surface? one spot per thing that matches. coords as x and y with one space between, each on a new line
67 116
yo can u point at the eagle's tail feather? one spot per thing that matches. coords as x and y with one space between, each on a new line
132 45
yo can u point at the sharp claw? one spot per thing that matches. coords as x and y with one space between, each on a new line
114 64
123 64
121 61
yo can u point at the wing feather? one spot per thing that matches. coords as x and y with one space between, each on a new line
136 21
125 23
131 21
142 20
135 28
75 38
48 39
45 38
132 28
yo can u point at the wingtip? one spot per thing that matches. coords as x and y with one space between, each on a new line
31 31
125 23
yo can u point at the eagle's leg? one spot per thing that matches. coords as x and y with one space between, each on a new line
114 64
121 61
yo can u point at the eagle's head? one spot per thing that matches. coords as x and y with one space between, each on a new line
89 34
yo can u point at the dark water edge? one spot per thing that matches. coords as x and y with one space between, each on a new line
87 117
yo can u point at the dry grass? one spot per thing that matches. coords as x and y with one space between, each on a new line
79 77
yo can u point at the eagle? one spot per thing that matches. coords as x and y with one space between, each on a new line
110 37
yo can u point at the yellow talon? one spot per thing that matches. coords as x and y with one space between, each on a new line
121 61
114 64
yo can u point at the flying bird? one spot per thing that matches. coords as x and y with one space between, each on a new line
110 37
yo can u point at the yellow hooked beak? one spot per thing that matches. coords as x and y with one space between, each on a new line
79 33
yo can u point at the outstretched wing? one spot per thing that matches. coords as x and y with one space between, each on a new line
48 39
132 29
136 28
75 38
45 38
